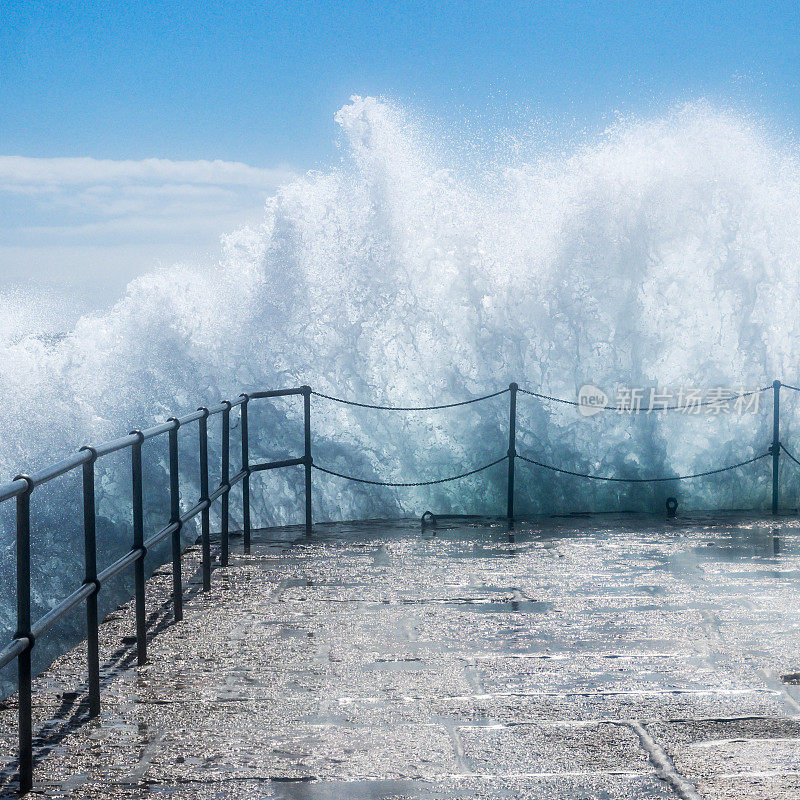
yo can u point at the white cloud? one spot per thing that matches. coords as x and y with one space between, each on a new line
48 173
78 222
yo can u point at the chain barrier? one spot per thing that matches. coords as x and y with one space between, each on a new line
790 455
638 410
555 469
415 483
643 480
541 464
552 399
408 408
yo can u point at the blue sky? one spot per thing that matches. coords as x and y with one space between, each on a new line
259 83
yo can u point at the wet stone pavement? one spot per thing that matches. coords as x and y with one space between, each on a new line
585 657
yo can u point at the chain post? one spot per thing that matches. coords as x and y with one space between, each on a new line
512 447
776 442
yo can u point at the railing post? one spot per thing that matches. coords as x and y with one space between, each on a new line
24 700
246 478
307 454
512 447
175 519
90 576
138 544
776 442
204 514
225 481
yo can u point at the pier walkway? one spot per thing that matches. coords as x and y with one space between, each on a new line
597 657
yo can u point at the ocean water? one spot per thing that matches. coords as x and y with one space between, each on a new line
663 253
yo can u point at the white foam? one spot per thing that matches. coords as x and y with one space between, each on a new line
664 252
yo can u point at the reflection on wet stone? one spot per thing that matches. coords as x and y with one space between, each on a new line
607 657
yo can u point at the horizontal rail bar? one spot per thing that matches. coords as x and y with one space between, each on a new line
116 444
276 393
286 462
12 489
194 511
193 417
62 609
156 430
158 537
238 476
15 488
60 468
12 650
120 564
218 492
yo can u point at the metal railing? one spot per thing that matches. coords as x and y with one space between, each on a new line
23 485
21 488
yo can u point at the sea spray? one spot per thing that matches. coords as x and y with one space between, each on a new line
663 254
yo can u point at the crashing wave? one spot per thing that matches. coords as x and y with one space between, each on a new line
665 253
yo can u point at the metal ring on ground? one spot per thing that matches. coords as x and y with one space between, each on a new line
672 506
428 520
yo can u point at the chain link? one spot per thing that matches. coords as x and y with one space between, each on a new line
642 480
790 455
415 483
407 408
